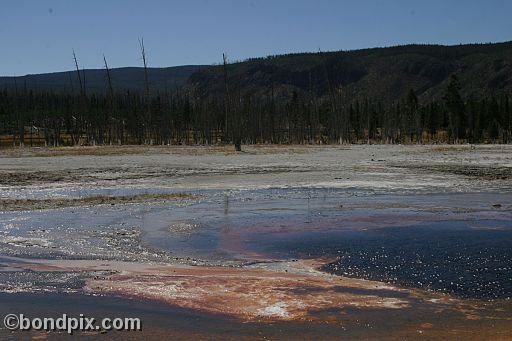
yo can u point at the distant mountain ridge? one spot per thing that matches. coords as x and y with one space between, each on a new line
123 79
386 73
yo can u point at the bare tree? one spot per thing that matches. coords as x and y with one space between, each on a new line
77 129
227 102
146 81
111 100
235 120
78 73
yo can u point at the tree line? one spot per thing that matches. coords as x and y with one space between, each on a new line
186 116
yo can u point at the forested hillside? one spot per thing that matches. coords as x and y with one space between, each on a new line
385 74
404 94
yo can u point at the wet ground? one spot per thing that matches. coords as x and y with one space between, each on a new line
457 243
349 258
160 321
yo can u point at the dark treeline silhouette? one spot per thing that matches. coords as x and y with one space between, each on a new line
184 117
317 98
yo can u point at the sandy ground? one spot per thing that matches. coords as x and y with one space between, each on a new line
41 203
380 168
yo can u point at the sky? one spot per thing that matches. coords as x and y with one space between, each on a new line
38 36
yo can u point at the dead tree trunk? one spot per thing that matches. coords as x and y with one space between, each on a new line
227 101
146 81
111 106
79 121
237 138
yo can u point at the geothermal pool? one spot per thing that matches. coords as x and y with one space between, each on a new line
338 258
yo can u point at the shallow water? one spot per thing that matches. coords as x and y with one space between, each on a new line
160 321
457 243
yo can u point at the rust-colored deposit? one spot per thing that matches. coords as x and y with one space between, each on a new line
245 293
266 291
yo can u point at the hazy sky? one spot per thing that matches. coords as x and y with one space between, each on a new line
38 36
